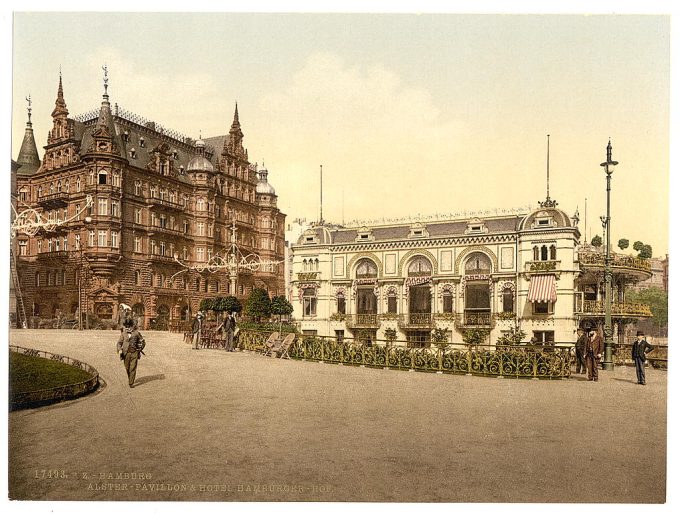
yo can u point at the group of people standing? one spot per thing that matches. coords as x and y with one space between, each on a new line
589 348
227 328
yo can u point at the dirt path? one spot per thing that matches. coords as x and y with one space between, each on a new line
211 425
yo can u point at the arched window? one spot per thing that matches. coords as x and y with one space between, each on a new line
138 278
536 253
341 303
197 283
508 300
78 185
478 264
366 268
101 177
419 267
392 302
447 301
553 253
544 253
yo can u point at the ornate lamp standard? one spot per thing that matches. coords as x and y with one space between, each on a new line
608 363
87 220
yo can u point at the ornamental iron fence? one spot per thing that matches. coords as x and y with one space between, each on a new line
520 361
20 400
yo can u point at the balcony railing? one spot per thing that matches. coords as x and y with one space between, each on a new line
161 258
152 201
619 309
414 320
621 261
541 266
307 276
54 201
362 321
53 255
476 318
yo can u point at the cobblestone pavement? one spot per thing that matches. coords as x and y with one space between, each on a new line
211 425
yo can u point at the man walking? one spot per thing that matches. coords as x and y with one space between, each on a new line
594 347
581 343
640 350
130 345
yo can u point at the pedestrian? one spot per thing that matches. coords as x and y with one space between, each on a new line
640 350
581 343
594 347
197 330
228 327
124 314
130 345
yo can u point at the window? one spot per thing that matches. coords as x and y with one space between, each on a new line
65 243
138 216
478 264
78 185
309 302
200 204
543 307
162 221
138 244
138 188
339 336
544 336
162 248
536 253
77 241
341 304
50 278
23 247
56 244
419 266
553 253
115 179
102 206
200 254
392 303
37 279
115 208
49 245
101 178
366 268
114 239
159 280
138 278
447 302
185 227
200 228
508 300
101 238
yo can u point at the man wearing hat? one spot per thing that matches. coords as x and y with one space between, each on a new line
594 347
197 329
640 350
581 343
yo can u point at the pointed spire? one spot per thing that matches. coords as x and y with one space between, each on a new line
60 109
28 154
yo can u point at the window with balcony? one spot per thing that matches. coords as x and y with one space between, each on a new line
392 303
447 302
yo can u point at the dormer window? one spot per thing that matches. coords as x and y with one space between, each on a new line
543 219
364 234
418 230
476 226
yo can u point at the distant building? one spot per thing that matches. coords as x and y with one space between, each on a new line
158 197
491 273
659 278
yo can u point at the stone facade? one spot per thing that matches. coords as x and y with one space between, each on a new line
157 196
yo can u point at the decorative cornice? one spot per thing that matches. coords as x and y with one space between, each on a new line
422 243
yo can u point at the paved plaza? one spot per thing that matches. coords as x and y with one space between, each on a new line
212 425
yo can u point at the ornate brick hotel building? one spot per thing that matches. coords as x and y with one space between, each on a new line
155 195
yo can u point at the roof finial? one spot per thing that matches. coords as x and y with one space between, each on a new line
548 202
236 112
106 80
29 108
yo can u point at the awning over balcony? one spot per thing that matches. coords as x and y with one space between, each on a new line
542 289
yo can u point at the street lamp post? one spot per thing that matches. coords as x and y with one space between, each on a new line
608 363
88 219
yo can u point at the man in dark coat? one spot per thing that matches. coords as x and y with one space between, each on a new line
640 350
228 326
594 348
130 345
581 343
197 330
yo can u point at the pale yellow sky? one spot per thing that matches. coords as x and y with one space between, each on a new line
407 113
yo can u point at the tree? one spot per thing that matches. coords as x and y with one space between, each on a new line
206 304
596 241
475 336
258 305
645 252
657 299
623 243
281 307
637 245
227 304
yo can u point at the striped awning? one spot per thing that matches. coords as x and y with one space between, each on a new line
542 289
